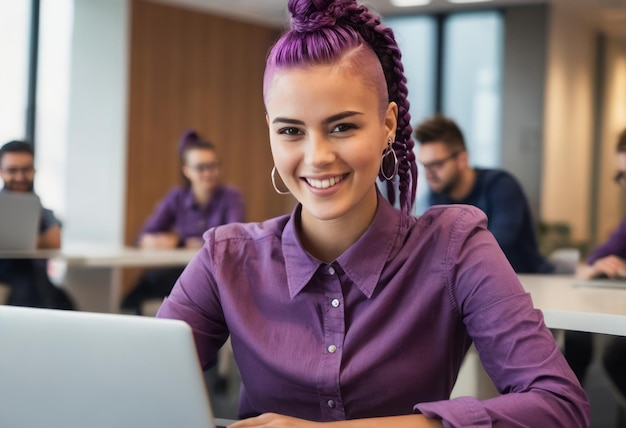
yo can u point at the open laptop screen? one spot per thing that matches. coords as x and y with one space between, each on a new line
77 369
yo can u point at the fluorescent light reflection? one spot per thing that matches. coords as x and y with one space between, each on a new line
409 3
468 1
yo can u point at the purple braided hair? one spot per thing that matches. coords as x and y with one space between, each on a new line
323 31
188 135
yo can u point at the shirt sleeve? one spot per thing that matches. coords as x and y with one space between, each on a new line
48 220
195 300
615 245
537 387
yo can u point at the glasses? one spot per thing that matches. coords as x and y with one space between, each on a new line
438 164
620 178
202 167
26 170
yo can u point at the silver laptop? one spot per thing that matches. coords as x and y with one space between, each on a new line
78 369
19 224
601 283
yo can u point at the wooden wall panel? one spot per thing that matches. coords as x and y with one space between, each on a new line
195 70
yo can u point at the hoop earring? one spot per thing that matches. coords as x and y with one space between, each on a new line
272 175
385 161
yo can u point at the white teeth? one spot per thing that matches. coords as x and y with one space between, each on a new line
324 184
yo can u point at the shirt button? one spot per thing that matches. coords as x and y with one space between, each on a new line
335 303
331 404
332 349
331 270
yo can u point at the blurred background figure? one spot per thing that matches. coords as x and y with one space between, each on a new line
496 192
28 279
185 213
606 260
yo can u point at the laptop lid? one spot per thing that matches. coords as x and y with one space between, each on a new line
19 221
601 283
77 369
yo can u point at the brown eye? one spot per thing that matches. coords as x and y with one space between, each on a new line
344 127
289 131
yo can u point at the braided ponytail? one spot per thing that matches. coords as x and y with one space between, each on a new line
382 40
322 31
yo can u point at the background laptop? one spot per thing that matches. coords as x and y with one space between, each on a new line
77 369
20 213
601 282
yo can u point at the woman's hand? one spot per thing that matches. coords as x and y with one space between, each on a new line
273 420
611 266
159 240
194 242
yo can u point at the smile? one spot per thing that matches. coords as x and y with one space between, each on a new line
326 183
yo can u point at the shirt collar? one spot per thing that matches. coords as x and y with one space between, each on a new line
363 262
300 266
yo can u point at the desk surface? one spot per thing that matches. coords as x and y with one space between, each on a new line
571 307
83 255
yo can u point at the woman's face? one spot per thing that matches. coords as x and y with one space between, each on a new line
327 136
202 169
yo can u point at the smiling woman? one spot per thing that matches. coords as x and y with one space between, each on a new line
330 309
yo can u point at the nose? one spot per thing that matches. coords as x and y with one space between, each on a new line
319 150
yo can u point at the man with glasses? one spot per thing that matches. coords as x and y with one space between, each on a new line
496 192
28 279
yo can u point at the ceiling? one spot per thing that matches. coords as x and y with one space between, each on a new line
609 15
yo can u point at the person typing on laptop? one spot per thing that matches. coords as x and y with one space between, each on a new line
348 310
28 278
609 258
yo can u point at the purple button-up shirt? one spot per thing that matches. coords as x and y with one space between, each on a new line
614 246
380 331
179 212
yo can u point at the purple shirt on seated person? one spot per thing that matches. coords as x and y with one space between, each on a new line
179 212
614 246
380 331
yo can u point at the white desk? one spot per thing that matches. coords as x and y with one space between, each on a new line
569 307
92 273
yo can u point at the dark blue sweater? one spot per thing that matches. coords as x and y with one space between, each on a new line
501 197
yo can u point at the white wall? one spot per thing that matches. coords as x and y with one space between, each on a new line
89 132
523 87
610 203
568 132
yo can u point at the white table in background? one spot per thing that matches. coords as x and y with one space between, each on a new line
92 273
567 306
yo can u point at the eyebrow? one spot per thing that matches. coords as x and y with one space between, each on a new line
326 121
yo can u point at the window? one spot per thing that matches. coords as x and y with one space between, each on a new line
472 80
469 78
14 48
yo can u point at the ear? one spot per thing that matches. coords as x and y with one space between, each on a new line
391 120
186 172
267 119
463 159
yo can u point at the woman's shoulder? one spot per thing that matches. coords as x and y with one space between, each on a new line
251 231
455 215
